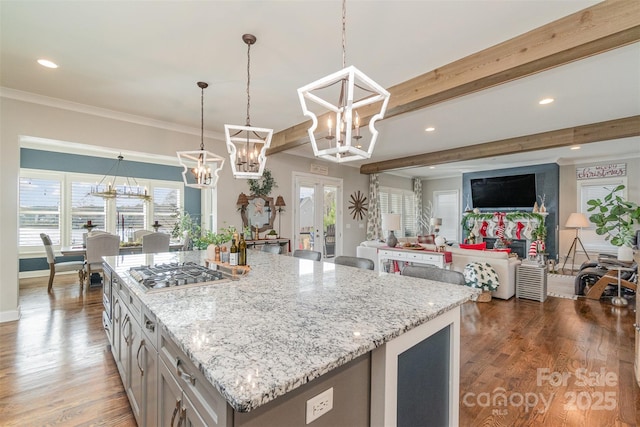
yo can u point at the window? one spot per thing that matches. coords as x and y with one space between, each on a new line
166 202
446 206
393 200
39 210
85 207
595 189
59 204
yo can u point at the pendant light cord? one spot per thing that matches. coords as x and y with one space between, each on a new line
344 33
202 119
248 82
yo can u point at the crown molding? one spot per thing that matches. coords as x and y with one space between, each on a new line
47 101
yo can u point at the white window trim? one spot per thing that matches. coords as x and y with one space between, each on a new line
66 178
456 220
591 241
403 193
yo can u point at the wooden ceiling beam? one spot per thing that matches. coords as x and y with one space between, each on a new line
597 29
585 134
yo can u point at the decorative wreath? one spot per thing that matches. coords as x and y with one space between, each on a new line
263 186
358 205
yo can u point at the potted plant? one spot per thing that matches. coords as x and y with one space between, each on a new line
271 235
614 217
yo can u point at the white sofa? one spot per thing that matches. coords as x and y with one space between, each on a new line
504 265
369 249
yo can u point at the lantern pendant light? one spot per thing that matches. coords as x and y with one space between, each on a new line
201 167
342 141
247 145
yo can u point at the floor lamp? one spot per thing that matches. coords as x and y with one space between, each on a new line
577 221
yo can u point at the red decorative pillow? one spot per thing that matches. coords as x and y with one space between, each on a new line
477 246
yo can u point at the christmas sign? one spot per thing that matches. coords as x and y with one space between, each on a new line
602 171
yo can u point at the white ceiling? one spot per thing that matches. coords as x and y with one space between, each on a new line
144 58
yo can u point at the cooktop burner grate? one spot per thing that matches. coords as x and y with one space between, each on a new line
161 276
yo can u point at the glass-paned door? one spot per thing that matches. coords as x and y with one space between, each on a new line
317 217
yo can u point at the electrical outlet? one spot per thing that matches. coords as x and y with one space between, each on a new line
319 405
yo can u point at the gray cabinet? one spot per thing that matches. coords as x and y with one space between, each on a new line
134 351
200 403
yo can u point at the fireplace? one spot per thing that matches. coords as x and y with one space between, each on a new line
518 246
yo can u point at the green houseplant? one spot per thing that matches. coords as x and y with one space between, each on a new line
614 218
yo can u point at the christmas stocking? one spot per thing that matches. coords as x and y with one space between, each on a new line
490 228
528 230
519 228
483 228
500 232
508 231
476 229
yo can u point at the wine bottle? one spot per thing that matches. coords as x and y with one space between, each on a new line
233 253
242 251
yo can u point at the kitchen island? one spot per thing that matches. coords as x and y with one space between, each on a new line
254 351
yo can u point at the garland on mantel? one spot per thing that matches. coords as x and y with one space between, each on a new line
470 218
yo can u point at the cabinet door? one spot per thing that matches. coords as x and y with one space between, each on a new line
150 363
143 390
190 417
125 351
116 329
169 397
135 383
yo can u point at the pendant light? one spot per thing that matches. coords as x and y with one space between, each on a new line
343 140
201 167
247 145
108 187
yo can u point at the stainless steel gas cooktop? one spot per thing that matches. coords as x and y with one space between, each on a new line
171 275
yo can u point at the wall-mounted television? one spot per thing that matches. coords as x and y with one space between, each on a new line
514 191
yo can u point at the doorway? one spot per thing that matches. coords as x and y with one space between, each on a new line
317 216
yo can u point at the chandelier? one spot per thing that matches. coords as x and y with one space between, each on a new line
247 145
201 167
108 188
342 141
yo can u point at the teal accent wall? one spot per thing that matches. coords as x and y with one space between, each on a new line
75 163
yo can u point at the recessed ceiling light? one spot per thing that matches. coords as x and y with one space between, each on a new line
546 101
430 129
432 167
47 63
575 147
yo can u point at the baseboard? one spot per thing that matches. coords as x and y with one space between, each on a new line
10 315
41 273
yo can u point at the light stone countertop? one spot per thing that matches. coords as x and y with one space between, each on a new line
289 321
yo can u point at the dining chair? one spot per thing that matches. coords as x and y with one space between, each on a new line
272 249
307 254
434 273
354 261
59 266
91 233
155 242
99 245
138 234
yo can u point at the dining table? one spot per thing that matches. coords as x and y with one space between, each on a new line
125 249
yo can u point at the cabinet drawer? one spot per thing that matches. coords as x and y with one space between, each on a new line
132 302
430 258
210 404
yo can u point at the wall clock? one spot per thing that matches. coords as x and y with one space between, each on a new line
358 205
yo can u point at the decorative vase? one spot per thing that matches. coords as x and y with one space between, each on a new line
625 253
485 296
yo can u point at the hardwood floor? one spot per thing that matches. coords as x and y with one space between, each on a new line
55 368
